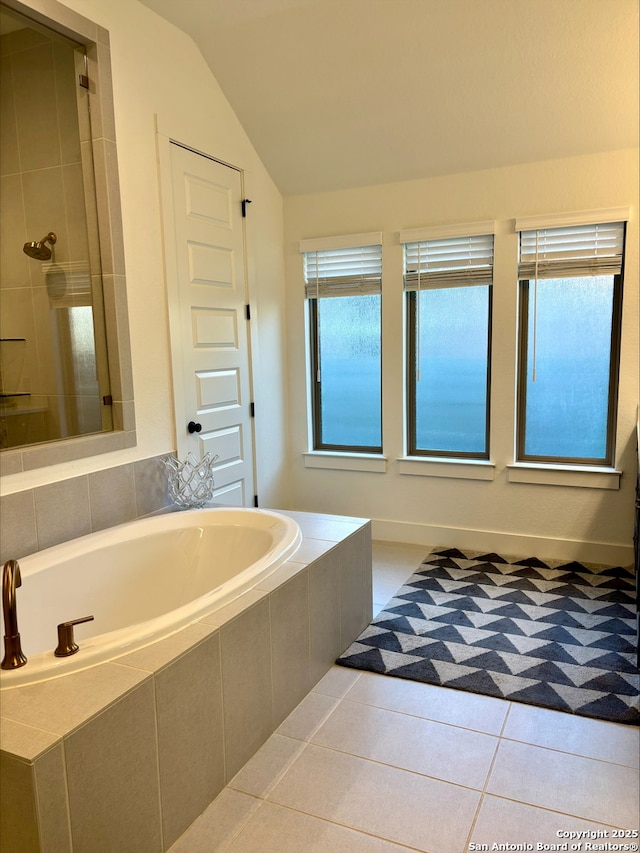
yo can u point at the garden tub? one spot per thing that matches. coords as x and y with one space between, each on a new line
141 581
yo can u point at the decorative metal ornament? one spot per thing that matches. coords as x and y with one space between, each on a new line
190 482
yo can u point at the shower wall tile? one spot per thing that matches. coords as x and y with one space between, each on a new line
246 685
17 321
112 496
43 190
15 264
324 608
18 535
12 366
82 101
23 39
9 149
87 410
290 648
112 767
51 788
62 511
35 107
76 220
67 104
190 736
41 348
18 829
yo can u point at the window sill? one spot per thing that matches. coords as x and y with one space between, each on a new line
583 476
345 461
462 469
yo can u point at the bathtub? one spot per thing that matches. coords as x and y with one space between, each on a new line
141 581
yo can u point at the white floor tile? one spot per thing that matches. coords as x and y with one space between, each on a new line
337 681
386 802
267 766
411 743
574 734
505 822
218 825
456 707
583 787
274 829
308 716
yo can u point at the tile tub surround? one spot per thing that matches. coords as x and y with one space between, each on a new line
38 518
126 755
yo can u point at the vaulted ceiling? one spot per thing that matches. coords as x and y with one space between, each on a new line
345 93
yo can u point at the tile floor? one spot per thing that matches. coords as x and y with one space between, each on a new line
373 764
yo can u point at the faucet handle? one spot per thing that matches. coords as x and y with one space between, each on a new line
66 643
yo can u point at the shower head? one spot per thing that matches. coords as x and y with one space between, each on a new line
40 251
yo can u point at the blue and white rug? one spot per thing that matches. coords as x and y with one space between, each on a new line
557 635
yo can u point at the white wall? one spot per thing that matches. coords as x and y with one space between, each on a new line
158 71
549 520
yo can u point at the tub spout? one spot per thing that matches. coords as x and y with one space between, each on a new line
13 655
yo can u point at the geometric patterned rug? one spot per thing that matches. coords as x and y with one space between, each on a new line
554 634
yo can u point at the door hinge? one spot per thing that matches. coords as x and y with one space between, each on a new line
83 81
255 500
107 400
252 409
248 311
245 202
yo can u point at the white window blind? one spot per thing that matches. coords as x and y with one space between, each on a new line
348 271
449 262
577 250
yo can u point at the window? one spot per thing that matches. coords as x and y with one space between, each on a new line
570 316
448 283
343 288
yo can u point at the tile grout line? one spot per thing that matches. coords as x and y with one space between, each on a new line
416 716
396 767
346 826
483 793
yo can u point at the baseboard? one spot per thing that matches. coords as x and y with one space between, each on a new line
606 553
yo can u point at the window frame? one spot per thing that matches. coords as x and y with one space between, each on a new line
459 255
411 389
316 387
614 380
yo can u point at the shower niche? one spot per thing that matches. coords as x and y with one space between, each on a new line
55 381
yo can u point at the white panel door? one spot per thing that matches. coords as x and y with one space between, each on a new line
211 356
